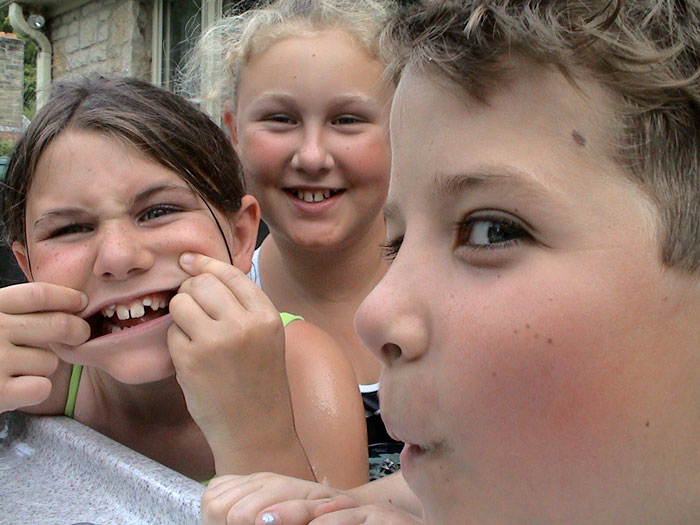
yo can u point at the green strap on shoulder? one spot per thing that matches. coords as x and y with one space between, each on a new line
73 390
288 318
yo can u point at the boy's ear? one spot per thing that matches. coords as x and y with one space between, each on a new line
20 253
245 230
229 118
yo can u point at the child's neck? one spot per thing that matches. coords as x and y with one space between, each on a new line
144 418
324 276
326 287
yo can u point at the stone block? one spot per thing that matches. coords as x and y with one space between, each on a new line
88 31
103 32
72 44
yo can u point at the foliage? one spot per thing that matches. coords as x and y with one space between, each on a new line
5 148
30 54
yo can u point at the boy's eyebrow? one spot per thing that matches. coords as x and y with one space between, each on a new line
141 197
446 186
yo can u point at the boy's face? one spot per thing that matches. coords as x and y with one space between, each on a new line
541 362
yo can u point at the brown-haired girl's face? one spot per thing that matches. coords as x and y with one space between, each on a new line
104 219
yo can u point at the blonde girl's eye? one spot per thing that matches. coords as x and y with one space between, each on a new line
493 232
347 119
280 119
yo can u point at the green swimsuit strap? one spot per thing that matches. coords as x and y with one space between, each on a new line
73 390
288 318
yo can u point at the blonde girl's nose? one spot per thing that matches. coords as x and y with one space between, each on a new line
313 156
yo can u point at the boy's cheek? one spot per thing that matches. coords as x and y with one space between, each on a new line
520 399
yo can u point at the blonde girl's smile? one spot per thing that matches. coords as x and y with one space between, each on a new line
313 145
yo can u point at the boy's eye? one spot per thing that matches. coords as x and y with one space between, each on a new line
489 232
391 248
157 211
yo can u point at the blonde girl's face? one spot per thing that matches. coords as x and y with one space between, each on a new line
310 129
104 219
541 363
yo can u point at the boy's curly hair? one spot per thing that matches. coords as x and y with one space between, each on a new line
643 52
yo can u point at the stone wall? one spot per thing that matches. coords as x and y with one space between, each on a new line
11 85
107 37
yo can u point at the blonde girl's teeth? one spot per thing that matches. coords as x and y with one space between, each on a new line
122 313
326 194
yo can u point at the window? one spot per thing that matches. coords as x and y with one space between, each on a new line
177 24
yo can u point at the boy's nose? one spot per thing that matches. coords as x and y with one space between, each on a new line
120 255
312 156
391 321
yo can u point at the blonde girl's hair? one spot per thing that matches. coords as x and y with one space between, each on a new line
645 54
213 69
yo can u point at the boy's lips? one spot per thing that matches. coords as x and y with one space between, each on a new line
122 314
400 436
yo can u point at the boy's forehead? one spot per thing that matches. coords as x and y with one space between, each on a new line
537 123
578 109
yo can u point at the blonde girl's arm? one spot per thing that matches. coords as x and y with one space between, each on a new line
328 412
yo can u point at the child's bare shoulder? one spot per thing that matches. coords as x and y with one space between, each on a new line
311 350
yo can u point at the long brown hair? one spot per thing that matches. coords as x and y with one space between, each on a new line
165 127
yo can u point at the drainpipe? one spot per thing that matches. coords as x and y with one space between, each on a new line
43 61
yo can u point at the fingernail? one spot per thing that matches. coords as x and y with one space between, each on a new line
83 301
187 258
271 518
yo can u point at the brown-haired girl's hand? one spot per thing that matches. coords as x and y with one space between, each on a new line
33 316
227 345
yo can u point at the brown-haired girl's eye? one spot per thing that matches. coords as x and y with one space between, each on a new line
69 229
158 211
